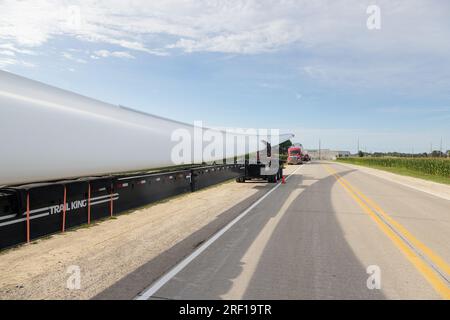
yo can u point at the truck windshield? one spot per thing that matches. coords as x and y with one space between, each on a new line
294 152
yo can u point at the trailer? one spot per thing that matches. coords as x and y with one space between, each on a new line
257 171
262 169
31 211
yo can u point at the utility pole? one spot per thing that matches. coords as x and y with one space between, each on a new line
357 151
440 149
320 155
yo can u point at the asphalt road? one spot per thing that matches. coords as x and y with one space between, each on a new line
316 236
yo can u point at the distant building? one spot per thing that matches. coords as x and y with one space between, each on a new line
327 154
344 154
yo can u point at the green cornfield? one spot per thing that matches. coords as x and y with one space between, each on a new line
439 167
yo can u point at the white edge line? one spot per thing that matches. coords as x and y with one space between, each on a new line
150 291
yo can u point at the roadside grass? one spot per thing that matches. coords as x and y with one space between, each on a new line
399 170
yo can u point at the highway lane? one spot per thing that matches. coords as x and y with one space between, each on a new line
315 238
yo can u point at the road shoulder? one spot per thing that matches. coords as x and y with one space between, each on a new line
433 188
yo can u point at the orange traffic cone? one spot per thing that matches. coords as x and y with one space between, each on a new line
283 180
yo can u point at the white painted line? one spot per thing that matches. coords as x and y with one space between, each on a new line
8 216
58 205
103 201
105 196
37 210
144 176
108 198
147 293
137 177
24 219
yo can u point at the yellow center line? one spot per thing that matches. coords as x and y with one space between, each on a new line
437 260
427 272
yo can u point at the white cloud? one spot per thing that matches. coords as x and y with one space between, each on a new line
332 42
241 26
316 72
257 39
7 53
115 54
13 48
221 26
5 62
69 56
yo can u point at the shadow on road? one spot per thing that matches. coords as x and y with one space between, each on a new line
316 261
306 257
132 284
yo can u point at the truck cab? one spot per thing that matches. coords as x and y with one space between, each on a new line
295 155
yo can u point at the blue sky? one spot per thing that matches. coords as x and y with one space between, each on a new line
308 67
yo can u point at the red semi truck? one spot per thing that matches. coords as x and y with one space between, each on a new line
295 155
